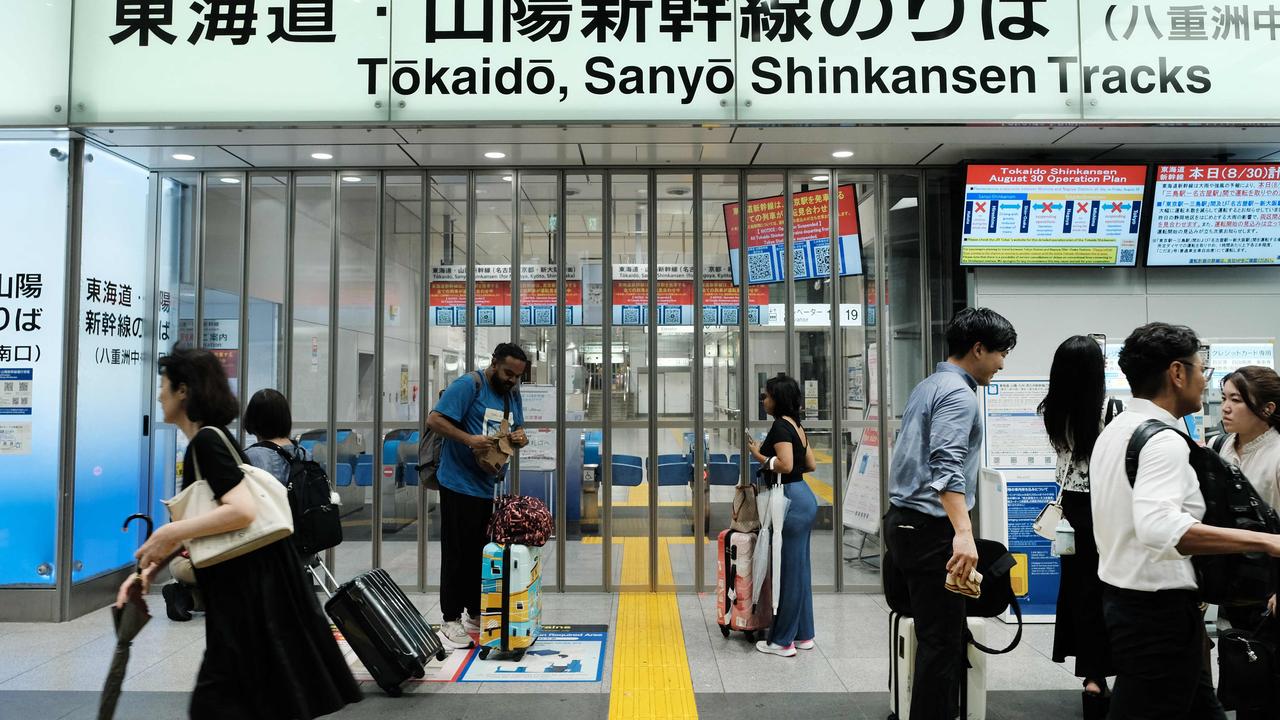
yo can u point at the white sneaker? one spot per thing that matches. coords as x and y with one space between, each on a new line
765 646
453 635
470 624
804 644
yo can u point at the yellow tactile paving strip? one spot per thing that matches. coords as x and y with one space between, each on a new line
651 679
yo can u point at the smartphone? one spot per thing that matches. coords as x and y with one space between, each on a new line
1101 339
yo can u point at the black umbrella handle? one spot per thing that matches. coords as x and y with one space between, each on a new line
150 527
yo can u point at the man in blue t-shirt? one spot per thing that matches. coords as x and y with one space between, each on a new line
468 416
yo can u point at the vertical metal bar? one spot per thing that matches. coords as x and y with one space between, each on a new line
379 325
517 277
470 343
331 420
290 229
789 282
926 328
651 223
700 489
836 393
562 287
606 396
745 401
155 201
70 379
197 333
424 359
242 362
882 337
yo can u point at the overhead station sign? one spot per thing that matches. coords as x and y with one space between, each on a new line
1052 214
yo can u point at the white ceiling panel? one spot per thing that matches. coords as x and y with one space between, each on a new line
344 156
667 154
36 134
161 158
249 136
632 134
1236 152
728 153
473 155
920 134
951 153
1191 135
819 155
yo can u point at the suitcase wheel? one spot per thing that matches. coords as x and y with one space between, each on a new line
392 690
519 655
724 630
484 653
441 654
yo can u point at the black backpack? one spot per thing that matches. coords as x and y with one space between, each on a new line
1230 502
317 525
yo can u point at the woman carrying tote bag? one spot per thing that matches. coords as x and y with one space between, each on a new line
269 652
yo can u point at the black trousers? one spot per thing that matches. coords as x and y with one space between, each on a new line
464 531
920 546
1157 645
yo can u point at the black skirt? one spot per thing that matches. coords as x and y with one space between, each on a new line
1080 631
270 653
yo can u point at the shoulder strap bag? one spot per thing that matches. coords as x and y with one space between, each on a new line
273 520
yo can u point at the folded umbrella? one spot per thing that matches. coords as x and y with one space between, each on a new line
129 621
760 560
779 503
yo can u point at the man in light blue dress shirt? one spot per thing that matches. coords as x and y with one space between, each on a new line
932 480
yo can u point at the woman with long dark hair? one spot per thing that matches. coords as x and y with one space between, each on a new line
1073 418
786 453
269 652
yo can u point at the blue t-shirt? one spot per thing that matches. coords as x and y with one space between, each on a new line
477 412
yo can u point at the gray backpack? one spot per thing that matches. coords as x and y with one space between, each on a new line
432 446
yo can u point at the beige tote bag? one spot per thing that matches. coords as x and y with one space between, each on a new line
273 520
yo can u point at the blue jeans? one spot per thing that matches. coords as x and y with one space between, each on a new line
793 618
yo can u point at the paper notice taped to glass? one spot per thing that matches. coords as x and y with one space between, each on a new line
15 438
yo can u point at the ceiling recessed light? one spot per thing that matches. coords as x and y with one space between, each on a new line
230 180
184 157
842 154
495 155
821 178
321 156
350 178
506 178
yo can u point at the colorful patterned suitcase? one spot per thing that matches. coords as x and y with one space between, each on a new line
737 610
510 599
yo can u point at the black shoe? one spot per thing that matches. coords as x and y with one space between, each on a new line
1095 705
177 602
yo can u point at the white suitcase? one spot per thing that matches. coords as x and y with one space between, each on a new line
902 636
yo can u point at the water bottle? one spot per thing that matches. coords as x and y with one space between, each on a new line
1064 542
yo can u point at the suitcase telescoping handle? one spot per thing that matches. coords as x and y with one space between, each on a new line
320 579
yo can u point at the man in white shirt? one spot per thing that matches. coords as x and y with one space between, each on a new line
1146 534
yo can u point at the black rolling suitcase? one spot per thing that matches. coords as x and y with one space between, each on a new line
386 631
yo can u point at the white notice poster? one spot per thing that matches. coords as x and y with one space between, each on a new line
1015 436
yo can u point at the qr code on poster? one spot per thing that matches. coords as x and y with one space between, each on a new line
710 316
444 317
544 316
672 315
1126 257
753 315
799 263
631 315
729 316
487 317
759 267
821 260
526 317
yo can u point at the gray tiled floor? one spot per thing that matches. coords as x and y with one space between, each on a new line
851 661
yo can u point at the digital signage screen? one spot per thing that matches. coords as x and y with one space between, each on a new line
1052 214
1215 215
810 236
